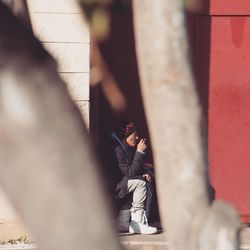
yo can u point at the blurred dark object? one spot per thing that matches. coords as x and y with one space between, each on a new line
19 9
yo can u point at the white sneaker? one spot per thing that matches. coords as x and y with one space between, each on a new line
139 223
123 220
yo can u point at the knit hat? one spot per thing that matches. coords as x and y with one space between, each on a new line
125 129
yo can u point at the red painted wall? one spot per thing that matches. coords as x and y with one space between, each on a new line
229 7
221 51
229 110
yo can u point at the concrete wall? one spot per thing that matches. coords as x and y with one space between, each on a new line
59 25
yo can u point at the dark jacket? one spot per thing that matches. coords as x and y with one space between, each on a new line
130 163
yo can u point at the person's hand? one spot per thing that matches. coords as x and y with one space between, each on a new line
142 145
148 177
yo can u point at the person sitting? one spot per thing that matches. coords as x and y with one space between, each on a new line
133 177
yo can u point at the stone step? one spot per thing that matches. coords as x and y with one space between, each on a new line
158 242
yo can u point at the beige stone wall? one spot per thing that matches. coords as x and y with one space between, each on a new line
6 210
59 25
11 227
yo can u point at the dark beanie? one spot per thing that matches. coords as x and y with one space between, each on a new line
125 129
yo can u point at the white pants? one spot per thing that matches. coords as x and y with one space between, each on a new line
139 196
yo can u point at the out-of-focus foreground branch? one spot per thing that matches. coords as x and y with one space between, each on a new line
173 115
97 14
19 8
47 167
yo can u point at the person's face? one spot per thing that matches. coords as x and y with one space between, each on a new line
132 139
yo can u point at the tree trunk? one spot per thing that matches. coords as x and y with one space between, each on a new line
173 115
47 167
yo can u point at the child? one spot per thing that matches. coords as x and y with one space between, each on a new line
133 178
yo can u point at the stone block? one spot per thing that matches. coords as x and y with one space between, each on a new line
78 85
58 6
71 57
84 109
6 208
50 27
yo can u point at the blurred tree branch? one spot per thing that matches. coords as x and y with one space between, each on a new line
174 119
45 153
19 8
97 14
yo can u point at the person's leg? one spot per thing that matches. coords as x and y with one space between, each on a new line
138 218
123 218
150 205
139 189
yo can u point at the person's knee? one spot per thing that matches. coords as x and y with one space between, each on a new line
141 184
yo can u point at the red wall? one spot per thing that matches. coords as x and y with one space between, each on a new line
221 49
229 7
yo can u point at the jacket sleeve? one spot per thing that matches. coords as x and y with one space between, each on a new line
149 171
129 170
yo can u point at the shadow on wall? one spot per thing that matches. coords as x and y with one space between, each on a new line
119 53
